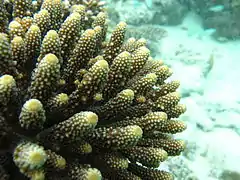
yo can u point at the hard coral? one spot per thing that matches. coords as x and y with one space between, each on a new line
76 107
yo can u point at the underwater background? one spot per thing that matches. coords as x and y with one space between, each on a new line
119 89
199 40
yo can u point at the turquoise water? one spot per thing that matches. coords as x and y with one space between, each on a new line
199 40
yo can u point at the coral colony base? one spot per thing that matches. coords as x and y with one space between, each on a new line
75 106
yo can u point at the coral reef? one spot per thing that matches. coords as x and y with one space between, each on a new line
75 106
219 15
148 32
152 34
140 12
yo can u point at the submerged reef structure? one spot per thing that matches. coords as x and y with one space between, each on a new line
76 106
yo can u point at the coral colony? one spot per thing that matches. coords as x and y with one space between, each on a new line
76 106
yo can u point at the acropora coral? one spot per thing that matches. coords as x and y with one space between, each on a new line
75 105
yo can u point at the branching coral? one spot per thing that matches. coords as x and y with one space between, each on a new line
74 106
149 32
